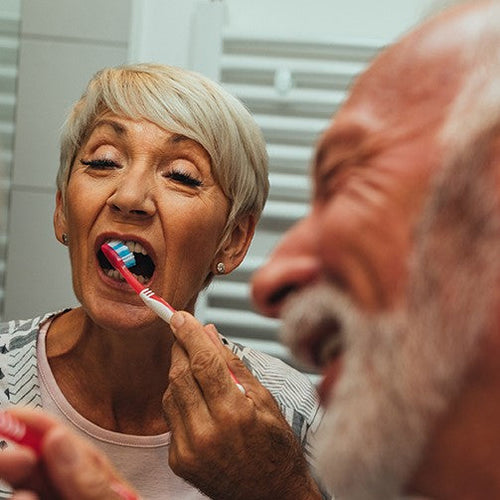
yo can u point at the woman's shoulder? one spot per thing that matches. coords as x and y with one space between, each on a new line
291 389
18 363
17 333
21 325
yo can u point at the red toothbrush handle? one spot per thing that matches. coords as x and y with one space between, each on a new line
18 432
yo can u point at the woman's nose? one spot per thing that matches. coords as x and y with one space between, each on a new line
292 265
132 197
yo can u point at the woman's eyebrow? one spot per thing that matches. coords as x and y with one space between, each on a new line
116 126
177 138
121 130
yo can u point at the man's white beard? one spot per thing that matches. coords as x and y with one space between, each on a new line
394 382
402 369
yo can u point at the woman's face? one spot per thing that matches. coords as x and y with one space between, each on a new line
135 181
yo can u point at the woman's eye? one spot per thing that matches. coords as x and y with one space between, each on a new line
100 164
183 178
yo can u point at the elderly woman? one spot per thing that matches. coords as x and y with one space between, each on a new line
167 162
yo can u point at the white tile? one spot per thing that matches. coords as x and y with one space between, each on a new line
38 272
52 76
85 19
10 9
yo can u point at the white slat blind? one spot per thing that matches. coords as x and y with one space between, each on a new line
292 88
9 45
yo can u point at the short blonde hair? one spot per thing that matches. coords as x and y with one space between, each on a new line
182 102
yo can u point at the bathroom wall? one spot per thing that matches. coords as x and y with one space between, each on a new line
63 42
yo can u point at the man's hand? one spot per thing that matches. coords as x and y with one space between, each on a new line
68 468
228 444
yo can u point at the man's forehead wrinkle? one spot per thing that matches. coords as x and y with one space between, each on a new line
350 143
362 125
339 141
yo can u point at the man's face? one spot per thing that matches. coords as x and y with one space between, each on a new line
370 173
339 278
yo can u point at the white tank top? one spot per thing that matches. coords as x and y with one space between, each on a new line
141 460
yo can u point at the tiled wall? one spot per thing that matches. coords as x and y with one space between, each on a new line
63 42
10 14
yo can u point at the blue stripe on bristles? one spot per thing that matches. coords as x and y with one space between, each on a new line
124 253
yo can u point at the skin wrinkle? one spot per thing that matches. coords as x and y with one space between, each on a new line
355 146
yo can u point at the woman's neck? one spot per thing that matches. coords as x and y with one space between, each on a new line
114 379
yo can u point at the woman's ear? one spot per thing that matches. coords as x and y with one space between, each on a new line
235 245
60 224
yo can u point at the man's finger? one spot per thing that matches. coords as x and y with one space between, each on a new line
78 471
17 464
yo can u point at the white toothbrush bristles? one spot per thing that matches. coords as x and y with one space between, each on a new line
124 253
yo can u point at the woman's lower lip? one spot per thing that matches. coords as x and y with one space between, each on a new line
329 380
122 285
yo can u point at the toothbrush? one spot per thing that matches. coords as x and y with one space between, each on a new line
121 258
16 431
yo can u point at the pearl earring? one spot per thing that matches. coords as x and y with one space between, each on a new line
65 239
221 268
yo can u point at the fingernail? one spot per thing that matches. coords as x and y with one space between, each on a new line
177 320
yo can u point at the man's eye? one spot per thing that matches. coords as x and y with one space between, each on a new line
183 178
100 164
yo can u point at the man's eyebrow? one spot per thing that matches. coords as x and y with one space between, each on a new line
337 146
347 143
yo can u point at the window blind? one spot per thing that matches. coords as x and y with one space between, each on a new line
292 87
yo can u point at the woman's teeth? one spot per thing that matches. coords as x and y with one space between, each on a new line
135 247
143 269
114 274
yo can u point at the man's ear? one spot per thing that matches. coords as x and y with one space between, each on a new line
235 244
60 224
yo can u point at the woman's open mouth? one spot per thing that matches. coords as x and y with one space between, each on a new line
143 269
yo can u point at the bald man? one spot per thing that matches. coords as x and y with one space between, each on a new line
390 284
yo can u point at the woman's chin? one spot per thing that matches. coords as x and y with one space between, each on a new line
122 316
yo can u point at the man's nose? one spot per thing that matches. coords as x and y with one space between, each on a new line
133 197
291 266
